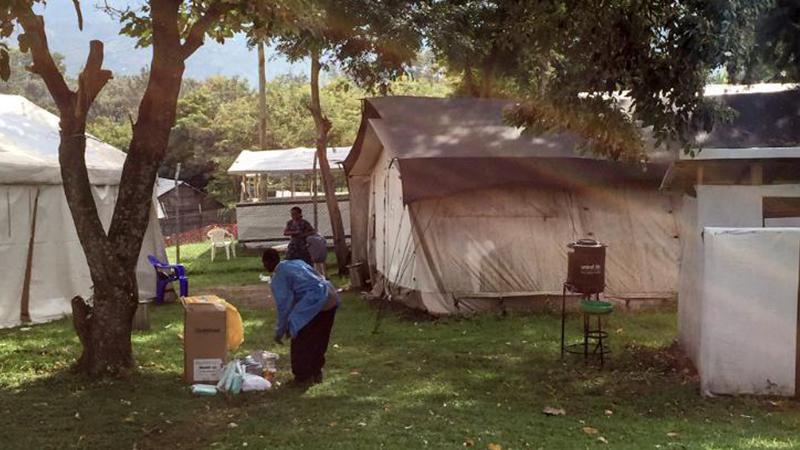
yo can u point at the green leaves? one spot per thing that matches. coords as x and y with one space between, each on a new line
573 62
372 42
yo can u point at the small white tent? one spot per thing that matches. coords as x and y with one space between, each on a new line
455 211
738 303
41 260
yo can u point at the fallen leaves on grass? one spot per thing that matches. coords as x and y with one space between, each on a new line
673 434
494 447
608 412
590 430
603 440
550 411
469 443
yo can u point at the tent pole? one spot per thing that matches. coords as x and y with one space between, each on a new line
756 174
25 301
797 350
177 215
314 189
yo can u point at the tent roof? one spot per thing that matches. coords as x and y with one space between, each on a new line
767 115
29 140
437 141
284 161
164 185
765 130
425 127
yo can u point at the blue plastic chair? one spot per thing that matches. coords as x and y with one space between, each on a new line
167 273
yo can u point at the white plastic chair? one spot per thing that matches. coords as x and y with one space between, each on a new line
220 237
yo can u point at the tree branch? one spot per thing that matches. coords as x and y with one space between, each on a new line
43 64
198 31
91 80
77 5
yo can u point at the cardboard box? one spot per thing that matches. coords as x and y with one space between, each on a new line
204 339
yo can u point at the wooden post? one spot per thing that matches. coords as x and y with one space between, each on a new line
756 174
314 190
25 302
700 174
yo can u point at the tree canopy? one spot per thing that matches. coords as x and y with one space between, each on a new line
605 70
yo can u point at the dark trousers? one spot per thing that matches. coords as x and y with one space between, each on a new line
309 346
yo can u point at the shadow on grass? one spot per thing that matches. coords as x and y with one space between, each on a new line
439 384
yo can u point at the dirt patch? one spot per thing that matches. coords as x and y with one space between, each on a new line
668 360
252 296
196 433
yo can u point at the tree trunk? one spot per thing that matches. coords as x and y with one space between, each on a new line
262 98
104 324
469 82
104 328
323 127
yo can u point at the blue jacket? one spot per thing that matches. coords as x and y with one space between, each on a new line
300 293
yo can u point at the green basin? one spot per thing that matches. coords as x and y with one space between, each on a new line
596 307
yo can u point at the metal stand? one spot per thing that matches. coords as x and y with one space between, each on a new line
592 338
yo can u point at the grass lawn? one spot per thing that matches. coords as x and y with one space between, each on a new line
242 270
417 383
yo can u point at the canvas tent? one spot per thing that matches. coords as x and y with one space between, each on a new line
738 301
41 260
453 211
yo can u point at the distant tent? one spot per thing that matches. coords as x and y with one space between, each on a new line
298 160
44 266
454 211
264 204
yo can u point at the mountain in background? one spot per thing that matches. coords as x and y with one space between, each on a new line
123 58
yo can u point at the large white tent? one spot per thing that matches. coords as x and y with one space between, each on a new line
454 211
41 259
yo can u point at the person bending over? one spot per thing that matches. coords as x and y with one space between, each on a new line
306 305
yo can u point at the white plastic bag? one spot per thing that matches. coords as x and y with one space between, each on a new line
255 383
232 378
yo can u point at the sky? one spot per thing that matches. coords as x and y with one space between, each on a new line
123 58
